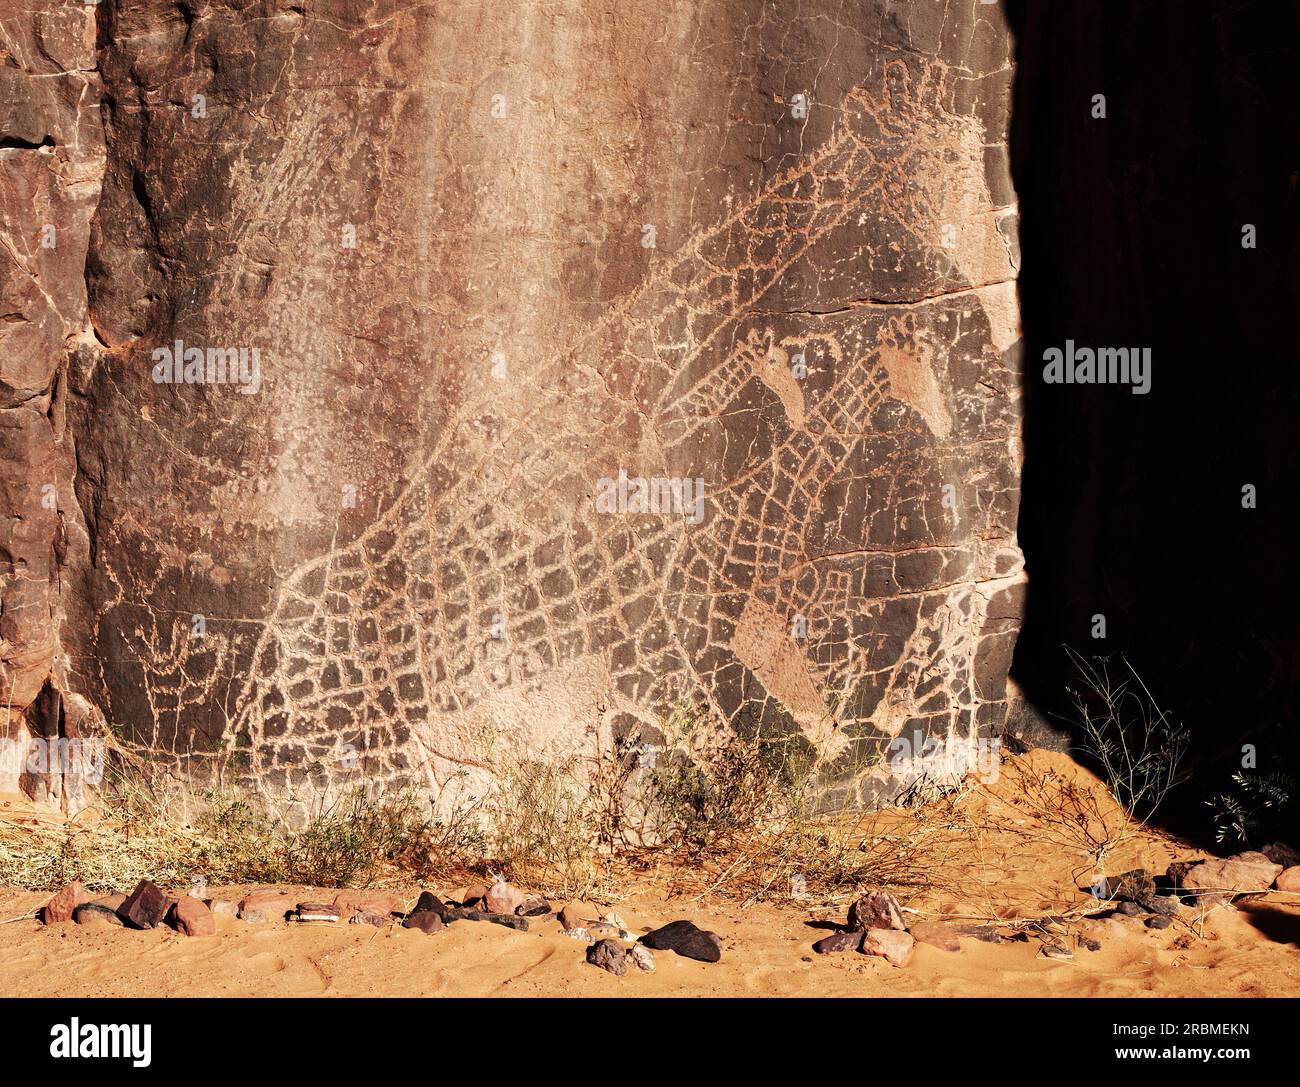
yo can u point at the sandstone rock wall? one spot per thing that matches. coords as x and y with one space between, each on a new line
51 163
490 266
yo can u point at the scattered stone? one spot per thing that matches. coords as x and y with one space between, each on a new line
506 920
936 934
427 921
1240 874
502 897
60 908
192 918
580 933
571 918
222 907
1283 854
608 956
428 902
92 912
1163 905
895 946
685 939
1156 921
643 958
1131 886
1088 942
878 909
1289 880
347 903
267 904
1053 950
146 906
533 906
839 941
368 917
473 895
315 913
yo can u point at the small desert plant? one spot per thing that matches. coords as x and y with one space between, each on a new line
151 821
540 826
1245 813
1136 745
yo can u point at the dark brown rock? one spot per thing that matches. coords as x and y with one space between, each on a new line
145 907
1164 905
608 956
427 921
838 941
520 924
430 902
1131 886
685 939
1282 853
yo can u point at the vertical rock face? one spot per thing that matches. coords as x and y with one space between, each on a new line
538 374
51 161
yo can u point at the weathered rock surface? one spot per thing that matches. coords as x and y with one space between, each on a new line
1238 874
547 415
193 918
348 903
877 909
426 921
266 905
891 944
839 941
938 934
89 913
146 906
61 906
608 956
1288 879
51 163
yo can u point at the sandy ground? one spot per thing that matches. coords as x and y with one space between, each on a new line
1006 865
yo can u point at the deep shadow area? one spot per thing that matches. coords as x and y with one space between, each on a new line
1131 236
